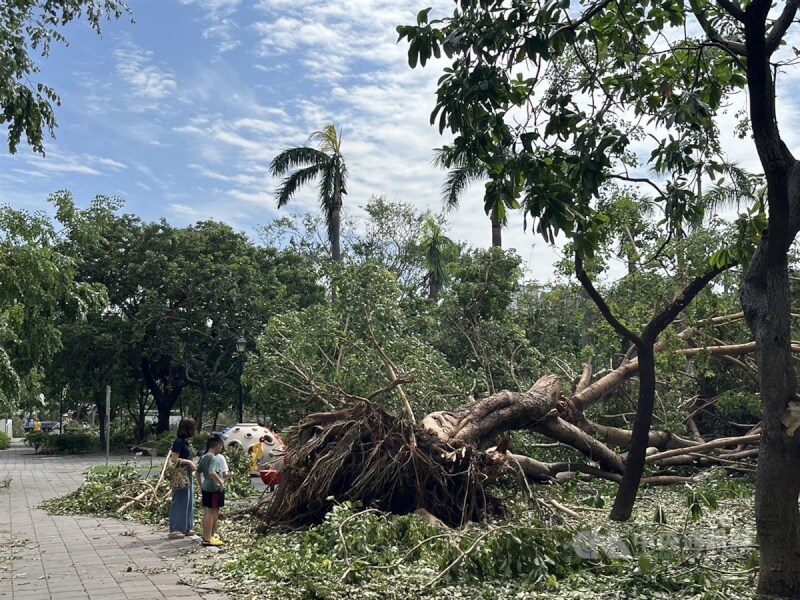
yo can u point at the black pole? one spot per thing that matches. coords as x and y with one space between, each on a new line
61 412
241 390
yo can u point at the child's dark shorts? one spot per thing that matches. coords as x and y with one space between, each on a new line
213 499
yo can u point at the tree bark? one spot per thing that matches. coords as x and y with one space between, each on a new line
479 423
634 466
164 399
767 307
497 232
433 286
766 300
334 227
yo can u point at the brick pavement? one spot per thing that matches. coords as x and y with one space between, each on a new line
71 558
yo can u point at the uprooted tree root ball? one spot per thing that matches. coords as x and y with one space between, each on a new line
364 453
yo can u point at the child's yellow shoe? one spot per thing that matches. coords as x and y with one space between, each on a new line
213 542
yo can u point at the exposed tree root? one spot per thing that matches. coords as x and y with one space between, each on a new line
362 452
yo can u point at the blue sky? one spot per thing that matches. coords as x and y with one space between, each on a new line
181 112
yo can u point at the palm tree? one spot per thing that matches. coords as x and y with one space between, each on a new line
325 162
438 250
499 197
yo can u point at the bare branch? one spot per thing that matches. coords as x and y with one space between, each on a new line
397 379
721 443
586 376
604 309
401 379
781 25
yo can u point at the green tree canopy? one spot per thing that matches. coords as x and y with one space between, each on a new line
39 289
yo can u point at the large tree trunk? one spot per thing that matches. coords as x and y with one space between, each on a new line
164 398
634 466
480 423
766 302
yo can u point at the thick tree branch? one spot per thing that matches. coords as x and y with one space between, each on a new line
781 25
773 153
665 317
737 49
586 376
604 309
747 439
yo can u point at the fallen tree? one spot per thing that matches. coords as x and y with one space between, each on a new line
447 463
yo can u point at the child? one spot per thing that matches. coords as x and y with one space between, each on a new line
209 477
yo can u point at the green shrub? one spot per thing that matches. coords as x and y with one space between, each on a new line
72 442
5 441
37 439
123 433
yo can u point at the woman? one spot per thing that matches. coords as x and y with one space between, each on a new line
181 511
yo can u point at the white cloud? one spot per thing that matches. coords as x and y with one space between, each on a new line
224 113
148 83
220 26
60 162
109 162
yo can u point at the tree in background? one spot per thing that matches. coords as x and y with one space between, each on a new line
439 251
312 359
326 163
536 134
39 289
498 199
30 26
179 298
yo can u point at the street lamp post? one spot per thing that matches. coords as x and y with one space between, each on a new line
241 348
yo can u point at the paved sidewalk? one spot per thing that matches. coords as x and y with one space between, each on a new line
64 557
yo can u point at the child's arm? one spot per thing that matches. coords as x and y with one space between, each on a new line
218 479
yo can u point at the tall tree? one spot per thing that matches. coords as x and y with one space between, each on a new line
438 250
39 289
181 297
30 26
498 199
598 82
325 162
